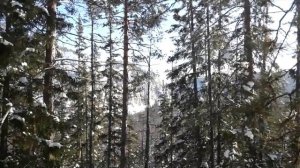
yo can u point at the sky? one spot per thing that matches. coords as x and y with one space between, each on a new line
285 59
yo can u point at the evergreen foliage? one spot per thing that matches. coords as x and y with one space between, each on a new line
71 73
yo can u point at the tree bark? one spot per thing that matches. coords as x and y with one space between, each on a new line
248 48
50 54
125 87
92 96
4 128
297 165
199 150
48 65
219 114
110 90
147 148
210 105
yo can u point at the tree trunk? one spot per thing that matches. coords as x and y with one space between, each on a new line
248 48
297 165
110 90
4 128
125 87
92 96
171 117
219 117
199 150
210 105
5 95
50 54
147 148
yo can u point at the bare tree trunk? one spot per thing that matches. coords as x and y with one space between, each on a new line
92 96
195 85
297 165
194 59
110 90
50 54
125 87
4 128
210 105
219 117
171 132
147 148
248 48
5 95
86 129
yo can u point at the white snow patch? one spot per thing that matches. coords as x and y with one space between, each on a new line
39 102
250 84
226 153
245 64
30 49
27 50
52 144
9 104
272 156
247 88
234 131
21 13
249 133
99 127
64 95
24 64
16 3
23 80
56 119
179 141
44 10
17 117
5 42
205 165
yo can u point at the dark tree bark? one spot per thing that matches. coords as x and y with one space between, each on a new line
91 165
248 48
199 150
50 54
125 87
193 53
219 114
147 148
110 103
5 96
210 105
4 128
297 165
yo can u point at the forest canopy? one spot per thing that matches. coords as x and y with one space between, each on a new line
149 83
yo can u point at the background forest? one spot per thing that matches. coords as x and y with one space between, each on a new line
83 83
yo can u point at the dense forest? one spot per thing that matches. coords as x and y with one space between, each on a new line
150 83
